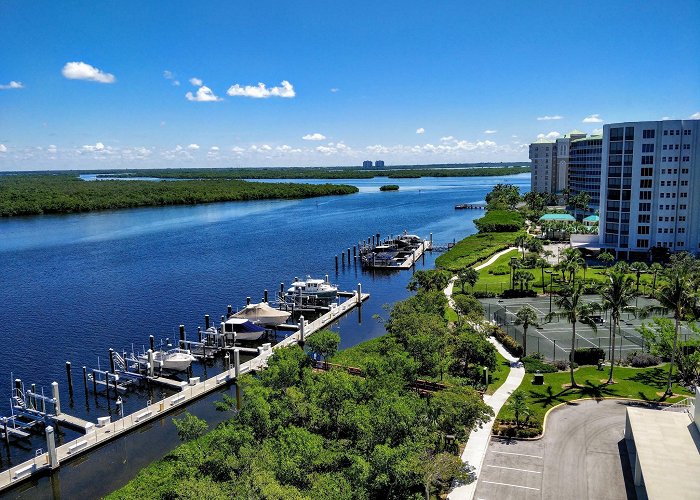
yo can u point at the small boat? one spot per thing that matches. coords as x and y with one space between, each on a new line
242 329
319 289
461 206
173 360
263 314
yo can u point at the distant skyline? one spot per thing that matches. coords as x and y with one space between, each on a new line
123 84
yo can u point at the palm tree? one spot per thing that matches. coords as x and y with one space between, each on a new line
617 294
655 268
526 316
639 268
678 295
573 260
468 275
521 242
573 309
542 264
518 403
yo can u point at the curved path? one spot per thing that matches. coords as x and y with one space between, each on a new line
478 442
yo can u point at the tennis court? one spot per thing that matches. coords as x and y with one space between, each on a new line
553 338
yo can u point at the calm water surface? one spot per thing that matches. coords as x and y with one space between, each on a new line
72 286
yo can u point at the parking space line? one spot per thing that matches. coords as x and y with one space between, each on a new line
513 468
517 454
512 485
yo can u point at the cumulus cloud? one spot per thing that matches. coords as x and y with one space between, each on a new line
334 90
193 147
214 148
447 138
12 85
83 71
52 149
695 116
551 135
3 148
593 119
314 137
548 117
94 148
260 91
420 130
204 94
196 82
490 131
169 75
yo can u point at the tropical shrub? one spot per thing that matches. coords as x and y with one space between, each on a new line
510 344
588 355
641 359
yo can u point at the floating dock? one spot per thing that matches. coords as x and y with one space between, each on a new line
388 256
105 429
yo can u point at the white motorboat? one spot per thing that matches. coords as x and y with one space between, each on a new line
317 288
173 360
242 329
263 314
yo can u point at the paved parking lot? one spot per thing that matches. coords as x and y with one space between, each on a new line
582 456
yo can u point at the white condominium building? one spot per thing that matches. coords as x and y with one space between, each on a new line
542 155
650 186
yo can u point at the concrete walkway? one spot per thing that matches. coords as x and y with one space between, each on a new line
478 442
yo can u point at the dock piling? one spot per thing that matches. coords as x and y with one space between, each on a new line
359 294
51 447
265 296
152 342
343 258
229 310
206 322
199 334
236 364
151 368
182 336
56 398
32 402
247 301
85 383
336 262
111 360
354 252
348 255
301 330
70 378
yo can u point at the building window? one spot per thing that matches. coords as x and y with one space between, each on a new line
681 230
642 229
643 243
645 195
645 183
644 218
647 160
645 207
665 132
647 172
681 218
682 195
647 148
648 134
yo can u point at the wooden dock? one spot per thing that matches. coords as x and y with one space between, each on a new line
409 261
102 432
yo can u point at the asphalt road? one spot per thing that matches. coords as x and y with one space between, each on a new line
581 456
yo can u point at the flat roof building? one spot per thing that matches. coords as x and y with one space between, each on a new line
648 193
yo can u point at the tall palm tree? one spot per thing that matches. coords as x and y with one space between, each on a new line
678 295
542 264
526 316
573 309
638 268
521 242
655 268
617 294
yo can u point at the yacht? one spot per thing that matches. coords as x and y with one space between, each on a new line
173 360
317 288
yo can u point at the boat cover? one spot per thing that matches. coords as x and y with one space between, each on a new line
243 326
256 311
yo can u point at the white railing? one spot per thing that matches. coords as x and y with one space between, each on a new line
686 405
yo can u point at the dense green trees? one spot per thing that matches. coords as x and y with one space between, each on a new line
52 194
302 434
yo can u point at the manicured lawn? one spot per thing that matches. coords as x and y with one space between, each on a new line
473 249
499 376
647 384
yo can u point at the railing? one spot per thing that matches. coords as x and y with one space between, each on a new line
686 405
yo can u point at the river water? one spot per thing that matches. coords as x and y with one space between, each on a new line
72 286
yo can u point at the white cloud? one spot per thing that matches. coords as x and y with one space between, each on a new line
204 94
97 147
447 139
314 137
695 116
597 131
12 85
669 118
260 91
193 147
214 148
420 130
3 148
490 131
83 71
169 75
52 148
237 150
548 117
593 119
551 135
334 90
196 82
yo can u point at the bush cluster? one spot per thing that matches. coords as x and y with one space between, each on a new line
641 359
535 363
500 221
588 355
515 294
508 342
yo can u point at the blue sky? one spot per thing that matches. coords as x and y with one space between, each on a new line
105 84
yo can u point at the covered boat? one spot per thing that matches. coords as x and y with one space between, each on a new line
263 314
242 329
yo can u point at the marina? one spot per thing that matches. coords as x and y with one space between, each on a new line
399 252
95 434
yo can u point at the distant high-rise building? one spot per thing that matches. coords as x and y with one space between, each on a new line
649 193
379 163
366 164
584 168
542 155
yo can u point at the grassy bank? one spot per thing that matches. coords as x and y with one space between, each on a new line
55 194
474 249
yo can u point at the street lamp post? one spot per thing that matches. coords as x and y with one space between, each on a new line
120 405
550 291
512 272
